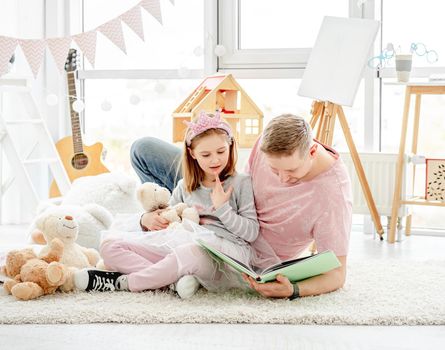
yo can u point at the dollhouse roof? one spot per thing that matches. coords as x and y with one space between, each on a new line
214 84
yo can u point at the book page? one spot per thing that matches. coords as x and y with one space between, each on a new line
284 264
237 265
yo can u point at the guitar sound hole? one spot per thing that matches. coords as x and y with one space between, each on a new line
79 161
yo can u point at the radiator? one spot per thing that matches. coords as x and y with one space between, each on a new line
380 170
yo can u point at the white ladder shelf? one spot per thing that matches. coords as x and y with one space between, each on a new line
19 152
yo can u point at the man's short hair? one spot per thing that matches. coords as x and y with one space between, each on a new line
285 134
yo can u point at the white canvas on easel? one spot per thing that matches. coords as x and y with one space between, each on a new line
336 63
332 78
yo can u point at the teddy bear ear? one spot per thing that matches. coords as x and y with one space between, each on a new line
40 221
125 183
147 186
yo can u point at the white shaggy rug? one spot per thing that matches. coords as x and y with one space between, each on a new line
386 292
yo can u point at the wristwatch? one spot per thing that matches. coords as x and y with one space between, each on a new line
296 293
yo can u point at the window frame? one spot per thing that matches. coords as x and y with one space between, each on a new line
260 63
210 64
220 28
383 74
290 63
236 58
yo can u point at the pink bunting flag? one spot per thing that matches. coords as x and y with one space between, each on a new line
7 48
59 50
133 19
153 7
87 44
113 31
34 51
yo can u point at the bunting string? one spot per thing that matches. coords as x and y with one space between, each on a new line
34 49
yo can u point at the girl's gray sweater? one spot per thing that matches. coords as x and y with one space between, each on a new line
235 220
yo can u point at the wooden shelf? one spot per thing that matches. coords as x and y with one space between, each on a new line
416 89
422 201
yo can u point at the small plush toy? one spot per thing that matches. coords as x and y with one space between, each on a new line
33 277
66 229
92 219
153 197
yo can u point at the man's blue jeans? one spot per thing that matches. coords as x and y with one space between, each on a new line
156 161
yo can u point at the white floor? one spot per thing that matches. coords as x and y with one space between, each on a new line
216 336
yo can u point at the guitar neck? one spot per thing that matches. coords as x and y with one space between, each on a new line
75 121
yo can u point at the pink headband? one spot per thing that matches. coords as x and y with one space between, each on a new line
206 122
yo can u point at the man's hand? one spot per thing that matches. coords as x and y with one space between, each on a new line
218 196
153 221
281 288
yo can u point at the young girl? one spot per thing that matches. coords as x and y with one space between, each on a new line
228 221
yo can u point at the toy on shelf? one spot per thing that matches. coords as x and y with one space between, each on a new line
221 92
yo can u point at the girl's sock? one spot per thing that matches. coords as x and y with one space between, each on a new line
186 286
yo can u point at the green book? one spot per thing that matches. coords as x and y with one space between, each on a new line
295 270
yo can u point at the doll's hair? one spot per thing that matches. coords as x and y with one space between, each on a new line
192 173
285 134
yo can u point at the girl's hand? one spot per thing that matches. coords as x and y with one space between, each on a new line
218 196
153 221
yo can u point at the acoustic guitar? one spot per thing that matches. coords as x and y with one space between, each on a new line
79 160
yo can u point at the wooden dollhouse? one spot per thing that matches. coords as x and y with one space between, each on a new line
221 92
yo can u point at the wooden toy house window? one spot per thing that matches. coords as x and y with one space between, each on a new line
252 127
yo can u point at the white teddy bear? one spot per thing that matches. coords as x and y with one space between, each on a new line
153 197
91 219
114 191
66 229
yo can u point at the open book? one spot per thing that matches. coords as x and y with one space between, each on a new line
295 270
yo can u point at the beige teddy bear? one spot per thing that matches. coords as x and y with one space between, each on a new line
65 228
153 197
33 276
91 218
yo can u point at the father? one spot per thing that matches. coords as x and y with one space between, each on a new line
302 194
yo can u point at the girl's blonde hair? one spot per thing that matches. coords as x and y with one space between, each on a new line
192 174
285 134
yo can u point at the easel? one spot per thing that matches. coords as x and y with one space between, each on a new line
323 119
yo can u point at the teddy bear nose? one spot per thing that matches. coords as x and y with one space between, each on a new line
68 217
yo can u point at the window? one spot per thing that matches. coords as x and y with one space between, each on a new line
272 40
120 111
271 34
144 106
419 23
283 24
166 46
252 127
131 96
266 45
414 26
25 20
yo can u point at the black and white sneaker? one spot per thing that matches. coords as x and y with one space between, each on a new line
100 281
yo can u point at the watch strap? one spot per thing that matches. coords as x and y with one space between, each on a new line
296 293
